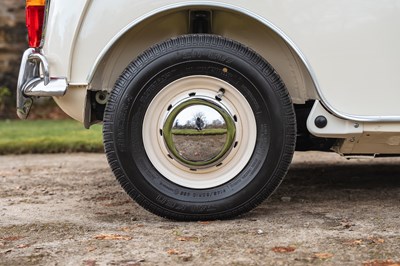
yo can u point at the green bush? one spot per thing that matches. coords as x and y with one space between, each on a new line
4 92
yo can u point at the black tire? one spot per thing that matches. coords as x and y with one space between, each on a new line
203 55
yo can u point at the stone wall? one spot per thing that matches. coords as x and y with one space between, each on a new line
13 42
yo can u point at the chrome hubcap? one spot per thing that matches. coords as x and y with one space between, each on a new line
199 132
199 153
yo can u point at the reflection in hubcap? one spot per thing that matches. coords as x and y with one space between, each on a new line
199 132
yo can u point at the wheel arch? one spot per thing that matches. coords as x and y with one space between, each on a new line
244 26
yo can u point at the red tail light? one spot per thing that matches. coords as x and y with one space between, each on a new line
34 21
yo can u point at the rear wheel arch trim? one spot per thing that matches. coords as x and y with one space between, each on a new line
320 95
208 4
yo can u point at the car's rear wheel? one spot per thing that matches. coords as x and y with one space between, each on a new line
199 127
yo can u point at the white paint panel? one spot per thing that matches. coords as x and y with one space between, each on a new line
351 45
60 34
353 48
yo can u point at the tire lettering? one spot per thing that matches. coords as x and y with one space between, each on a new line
169 203
219 57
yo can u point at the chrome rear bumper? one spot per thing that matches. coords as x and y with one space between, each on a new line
34 80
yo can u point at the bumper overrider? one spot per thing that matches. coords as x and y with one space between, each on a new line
34 80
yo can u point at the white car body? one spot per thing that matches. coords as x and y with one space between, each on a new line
278 76
342 53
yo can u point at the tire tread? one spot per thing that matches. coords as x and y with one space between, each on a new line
218 43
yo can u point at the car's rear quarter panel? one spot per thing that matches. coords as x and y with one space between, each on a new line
350 47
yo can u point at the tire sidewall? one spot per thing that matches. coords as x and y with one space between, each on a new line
250 78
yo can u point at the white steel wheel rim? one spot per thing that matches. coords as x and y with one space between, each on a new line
206 87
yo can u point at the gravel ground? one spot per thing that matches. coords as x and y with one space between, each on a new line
67 209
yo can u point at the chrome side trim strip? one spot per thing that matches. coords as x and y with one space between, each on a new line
266 22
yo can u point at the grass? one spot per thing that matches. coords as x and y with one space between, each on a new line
48 136
211 131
